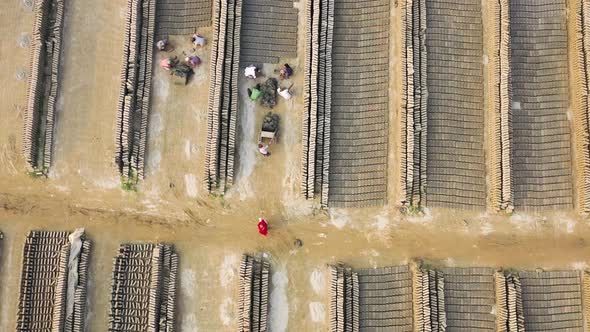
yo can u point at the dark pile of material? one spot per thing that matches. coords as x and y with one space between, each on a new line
269 92
270 122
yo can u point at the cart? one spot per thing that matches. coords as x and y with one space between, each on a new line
270 129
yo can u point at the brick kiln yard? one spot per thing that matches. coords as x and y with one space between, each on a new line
360 156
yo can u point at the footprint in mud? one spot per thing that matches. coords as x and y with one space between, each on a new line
28 4
21 74
24 41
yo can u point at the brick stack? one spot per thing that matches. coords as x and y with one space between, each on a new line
46 303
223 95
455 156
42 91
500 156
509 312
581 114
253 300
552 300
429 300
469 299
317 99
269 31
414 115
344 299
541 129
144 289
134 92
371 299
360 104
174 17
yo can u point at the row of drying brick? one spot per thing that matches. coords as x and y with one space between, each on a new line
354 24
404 298
42 90
317 99
269 31
134 91
223 95
176 17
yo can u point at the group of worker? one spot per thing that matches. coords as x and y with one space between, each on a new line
252 72
191 61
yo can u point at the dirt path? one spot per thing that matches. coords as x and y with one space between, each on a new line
87 105
210 252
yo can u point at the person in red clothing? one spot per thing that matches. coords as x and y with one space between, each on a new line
262 226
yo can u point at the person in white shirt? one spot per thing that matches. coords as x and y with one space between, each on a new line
285 93
198 40
263 149
251 71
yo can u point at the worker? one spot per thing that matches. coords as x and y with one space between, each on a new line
286 71
263 149
162 44
193 61
285 93
255 92
198 40
251 71
262 226
168 63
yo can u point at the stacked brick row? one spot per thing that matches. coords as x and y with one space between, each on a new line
39 118
509 312
134 92
429 301
469 299
223 95
455 142
344 300
581 114
456 299
144 288
501 195
269 31
552 300
377 299
47 303
253 296
174 17
385 299
317 99
586 296
414 116
541 130
359 117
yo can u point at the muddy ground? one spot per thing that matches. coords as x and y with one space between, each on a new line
211 233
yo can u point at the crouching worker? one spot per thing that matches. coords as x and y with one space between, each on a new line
164 45
198 40
286 71
263 149
168 63
255 92
252 71
285 93
193 61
